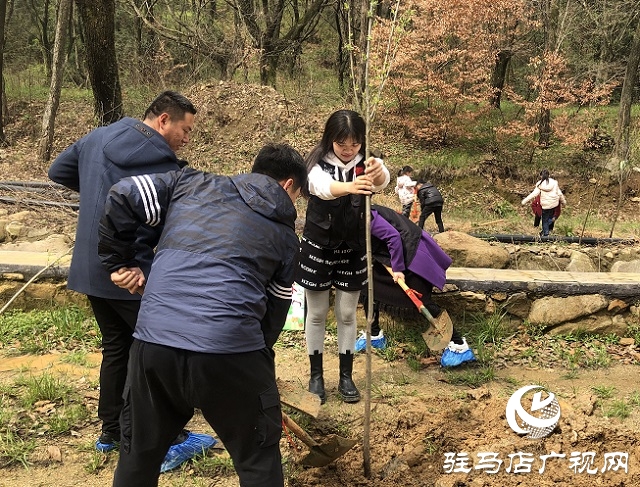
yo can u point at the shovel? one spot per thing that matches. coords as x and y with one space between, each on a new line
300 400
439 333
320 454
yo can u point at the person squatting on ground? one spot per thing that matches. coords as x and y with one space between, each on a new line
332 248
91 166
214 304
550 197
431 201
405 189
415 257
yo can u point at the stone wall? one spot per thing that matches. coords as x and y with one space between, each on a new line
594 313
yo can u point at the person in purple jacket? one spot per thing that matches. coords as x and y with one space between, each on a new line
415 257
91 166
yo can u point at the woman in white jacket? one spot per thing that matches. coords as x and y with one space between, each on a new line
405 189
550 198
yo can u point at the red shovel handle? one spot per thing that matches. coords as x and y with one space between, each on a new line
413 295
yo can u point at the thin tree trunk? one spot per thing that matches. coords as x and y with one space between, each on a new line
3 15
57 67
621 150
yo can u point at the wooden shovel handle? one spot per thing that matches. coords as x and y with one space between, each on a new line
298 431
400 282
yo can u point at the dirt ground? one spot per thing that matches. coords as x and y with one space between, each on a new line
421 424
417 418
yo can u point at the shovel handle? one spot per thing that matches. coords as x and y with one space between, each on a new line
298 431
412 296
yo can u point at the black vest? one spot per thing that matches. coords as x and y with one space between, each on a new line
329 223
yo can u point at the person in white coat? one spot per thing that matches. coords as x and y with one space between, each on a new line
405 189
550 197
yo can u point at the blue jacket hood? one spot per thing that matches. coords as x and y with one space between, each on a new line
265 196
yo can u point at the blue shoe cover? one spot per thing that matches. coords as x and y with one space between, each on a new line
106 447
455 355
195 444
378 341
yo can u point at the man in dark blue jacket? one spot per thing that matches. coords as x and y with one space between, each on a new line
214 304
91 166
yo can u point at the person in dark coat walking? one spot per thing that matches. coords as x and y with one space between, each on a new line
431 201
91 166
214 304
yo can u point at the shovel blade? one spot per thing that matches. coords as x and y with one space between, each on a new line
439 333
328 451
298 398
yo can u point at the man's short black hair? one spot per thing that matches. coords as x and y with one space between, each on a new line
171 102
281 162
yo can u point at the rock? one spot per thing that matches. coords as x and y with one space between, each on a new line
617 305
599 324
42 292
13 276
518 304
22 216
468 251
630 266
54 244
16 229
34 233
530 261
627 341
553 311
580 263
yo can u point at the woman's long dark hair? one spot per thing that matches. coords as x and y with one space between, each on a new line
340 126
544 175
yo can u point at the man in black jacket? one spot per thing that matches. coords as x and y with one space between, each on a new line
91 166
214 304
431 201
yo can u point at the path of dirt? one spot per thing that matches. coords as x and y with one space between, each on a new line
417 418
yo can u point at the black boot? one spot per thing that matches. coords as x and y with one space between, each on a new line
346 387
316 381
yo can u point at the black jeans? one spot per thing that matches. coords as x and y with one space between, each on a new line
406 209
116 319
236 392
426 212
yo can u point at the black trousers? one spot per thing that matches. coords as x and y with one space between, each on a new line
237 394
116 319
426 211
406 209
